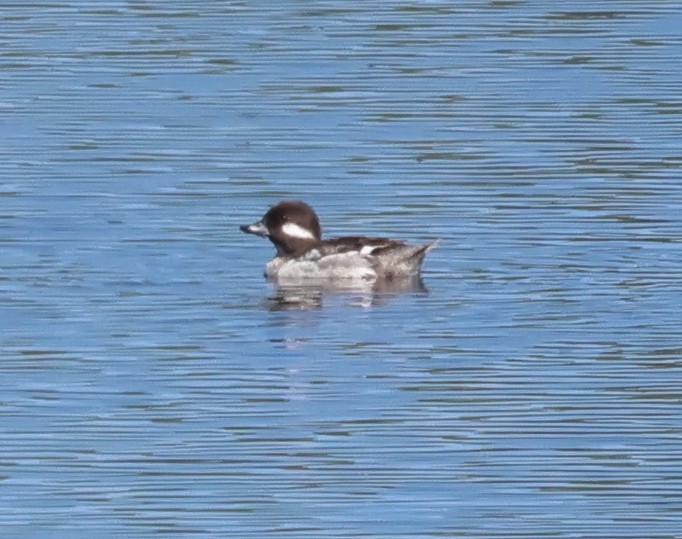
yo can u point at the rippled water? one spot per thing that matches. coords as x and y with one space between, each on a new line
153 385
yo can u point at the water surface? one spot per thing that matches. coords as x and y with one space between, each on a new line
154 385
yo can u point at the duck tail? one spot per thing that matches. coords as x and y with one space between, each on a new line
420 250
403 261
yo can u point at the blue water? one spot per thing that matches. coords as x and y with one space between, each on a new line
152 384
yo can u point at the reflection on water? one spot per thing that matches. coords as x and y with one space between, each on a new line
361 294
153 385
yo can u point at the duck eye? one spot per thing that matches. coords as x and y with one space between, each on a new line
285 218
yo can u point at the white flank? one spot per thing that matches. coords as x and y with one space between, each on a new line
343 267
297 231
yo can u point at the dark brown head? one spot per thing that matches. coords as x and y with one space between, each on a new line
291 225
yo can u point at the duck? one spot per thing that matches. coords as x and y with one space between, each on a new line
303 256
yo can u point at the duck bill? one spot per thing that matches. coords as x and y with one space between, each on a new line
258 228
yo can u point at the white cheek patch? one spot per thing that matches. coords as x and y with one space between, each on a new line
297 231
367 249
